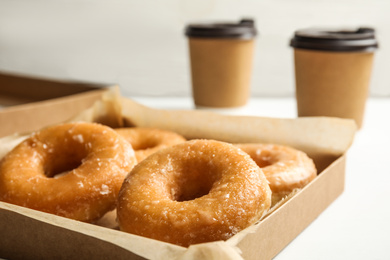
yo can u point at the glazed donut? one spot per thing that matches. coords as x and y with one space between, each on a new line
285 168
146 141
73 170
194 192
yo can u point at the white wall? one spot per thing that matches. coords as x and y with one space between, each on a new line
141 46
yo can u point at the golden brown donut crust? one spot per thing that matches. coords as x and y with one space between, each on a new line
73 170
193 192
284 167
146 140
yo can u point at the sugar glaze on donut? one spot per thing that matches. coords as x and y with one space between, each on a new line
73 170
285 168
193 192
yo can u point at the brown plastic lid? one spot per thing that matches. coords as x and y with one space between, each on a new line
355 40
244 29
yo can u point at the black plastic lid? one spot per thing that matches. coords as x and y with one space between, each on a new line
245 29
356 40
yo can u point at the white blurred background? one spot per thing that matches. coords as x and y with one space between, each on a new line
141 46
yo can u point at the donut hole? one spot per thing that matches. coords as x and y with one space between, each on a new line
263 162
190 191
195 180
144 144
61 169
64 160
264 158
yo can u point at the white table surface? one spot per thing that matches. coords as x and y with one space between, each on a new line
357 224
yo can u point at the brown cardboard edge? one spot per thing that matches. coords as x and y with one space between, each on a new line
33 116
23 88
49 240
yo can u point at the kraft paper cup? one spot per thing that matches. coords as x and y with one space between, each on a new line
221 57
333 71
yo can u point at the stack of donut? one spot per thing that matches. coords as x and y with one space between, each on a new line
162 186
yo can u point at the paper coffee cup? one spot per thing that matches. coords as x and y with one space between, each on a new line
221 57
333 71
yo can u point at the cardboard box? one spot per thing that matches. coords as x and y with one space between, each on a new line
27 100
32 234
